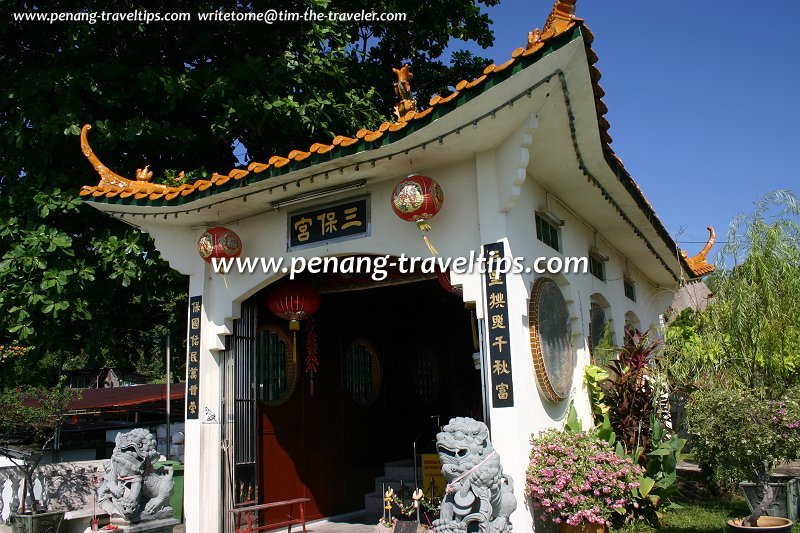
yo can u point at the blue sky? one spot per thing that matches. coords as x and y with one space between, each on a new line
703 98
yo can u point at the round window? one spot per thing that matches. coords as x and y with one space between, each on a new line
362 373
276 366
553 357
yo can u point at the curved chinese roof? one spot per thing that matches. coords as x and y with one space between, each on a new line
139 196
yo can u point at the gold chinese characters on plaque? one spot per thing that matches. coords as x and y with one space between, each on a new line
193 358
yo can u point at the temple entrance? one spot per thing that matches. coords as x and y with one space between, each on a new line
390 359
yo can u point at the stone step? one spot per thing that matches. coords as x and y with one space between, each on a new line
383 483
373 505
398 475
401 472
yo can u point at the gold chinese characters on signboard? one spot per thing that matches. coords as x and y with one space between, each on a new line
193 358
348 219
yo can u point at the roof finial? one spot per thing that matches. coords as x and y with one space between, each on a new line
533 38
402 88
698 262
107 175
561 17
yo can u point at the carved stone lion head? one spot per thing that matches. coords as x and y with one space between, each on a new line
462 444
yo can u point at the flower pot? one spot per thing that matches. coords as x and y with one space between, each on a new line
772 524
36 523
787 497
583 528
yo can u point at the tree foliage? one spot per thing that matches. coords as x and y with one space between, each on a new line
80 289
749 335
28 422
742 436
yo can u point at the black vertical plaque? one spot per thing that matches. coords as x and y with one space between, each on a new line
193 359
498 339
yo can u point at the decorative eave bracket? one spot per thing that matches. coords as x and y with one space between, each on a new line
512 163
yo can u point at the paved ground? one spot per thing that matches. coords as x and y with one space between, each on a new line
329 526
351 525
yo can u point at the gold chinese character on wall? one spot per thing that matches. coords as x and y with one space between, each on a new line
502 391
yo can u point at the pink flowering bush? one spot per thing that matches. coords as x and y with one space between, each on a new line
575 478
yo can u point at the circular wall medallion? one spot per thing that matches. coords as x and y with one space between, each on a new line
551 346
361 372
276 366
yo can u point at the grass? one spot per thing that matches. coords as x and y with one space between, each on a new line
699 517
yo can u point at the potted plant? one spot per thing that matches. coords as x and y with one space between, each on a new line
574 479
741 436
28 423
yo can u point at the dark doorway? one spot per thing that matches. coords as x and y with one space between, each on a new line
391 357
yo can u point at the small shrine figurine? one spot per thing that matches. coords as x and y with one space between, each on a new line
402 88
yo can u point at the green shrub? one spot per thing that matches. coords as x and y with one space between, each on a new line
741 435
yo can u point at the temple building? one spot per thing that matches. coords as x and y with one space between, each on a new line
310 387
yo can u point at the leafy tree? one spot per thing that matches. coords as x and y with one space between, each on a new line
749 335
756 309
745 346
80 289
28 422
741 436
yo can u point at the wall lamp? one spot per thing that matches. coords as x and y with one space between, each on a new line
313 195
549 216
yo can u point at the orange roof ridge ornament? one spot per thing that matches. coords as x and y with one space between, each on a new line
111 180
561 17
698 263
106 175
402 89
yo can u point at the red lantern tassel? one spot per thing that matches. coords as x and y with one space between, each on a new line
312 363
430 246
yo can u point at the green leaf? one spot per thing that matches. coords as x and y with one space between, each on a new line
660 452
573 424
646 485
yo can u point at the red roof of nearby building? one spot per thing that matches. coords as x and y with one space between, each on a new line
126 396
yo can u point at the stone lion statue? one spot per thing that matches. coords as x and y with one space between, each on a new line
132 489
479 496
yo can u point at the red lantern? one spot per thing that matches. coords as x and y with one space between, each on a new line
294 302
219 242
417 199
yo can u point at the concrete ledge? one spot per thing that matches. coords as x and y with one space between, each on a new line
152 526
83 513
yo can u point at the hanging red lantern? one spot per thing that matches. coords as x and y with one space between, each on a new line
294 302
418 199
219 242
